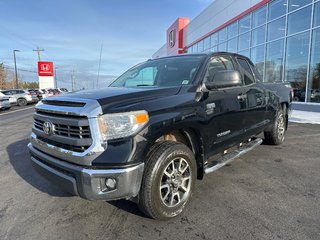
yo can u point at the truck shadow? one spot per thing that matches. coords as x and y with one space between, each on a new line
20 160
128 206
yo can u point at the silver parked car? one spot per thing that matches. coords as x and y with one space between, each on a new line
12 99
23 96
4 102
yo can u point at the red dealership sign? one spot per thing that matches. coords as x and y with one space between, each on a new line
175 34
45 69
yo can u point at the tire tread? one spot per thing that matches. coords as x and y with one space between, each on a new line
145 203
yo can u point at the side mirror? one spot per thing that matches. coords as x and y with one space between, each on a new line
224 79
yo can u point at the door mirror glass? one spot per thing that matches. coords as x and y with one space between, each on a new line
224 79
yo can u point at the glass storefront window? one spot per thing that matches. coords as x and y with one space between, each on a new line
277 8
214 39
295 4
257 57
200 46
314 79
297 64
222 35
276 29
299 20
232 45
274 61
245 53
259 17
233 30
245 24
195 48
316 20
258 36
222 47
206 43
244 41
214 49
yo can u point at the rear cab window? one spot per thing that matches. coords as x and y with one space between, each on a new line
216 64
246 71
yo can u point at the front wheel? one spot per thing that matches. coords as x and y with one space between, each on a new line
22 102
275 135
168 180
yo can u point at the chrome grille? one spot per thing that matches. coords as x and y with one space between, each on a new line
64 146
66 130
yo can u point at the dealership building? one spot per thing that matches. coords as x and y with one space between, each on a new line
282 38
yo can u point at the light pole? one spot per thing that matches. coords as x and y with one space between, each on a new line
55 77
15 66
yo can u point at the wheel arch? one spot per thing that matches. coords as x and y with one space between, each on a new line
191 138
285 108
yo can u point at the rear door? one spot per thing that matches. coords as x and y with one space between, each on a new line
255 97
224 109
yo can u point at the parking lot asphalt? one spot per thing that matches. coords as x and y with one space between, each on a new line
273 192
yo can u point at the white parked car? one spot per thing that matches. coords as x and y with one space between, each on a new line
12 99
4 102
22 96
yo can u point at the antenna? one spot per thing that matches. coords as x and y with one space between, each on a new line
97 84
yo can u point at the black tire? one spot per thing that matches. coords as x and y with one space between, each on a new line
163 156
22 102
275 136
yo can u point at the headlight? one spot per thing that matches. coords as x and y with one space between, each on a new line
119 125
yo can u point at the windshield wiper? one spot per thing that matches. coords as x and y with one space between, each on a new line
143 85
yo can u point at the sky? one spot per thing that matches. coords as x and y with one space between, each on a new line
72 33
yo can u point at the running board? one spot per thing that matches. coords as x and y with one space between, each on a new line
229 157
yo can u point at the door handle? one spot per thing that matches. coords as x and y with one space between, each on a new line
242 97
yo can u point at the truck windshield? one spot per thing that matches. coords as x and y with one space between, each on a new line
165 72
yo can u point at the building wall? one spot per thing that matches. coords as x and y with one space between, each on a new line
282 37
217 14
161 52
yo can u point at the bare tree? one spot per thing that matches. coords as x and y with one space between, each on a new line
3 77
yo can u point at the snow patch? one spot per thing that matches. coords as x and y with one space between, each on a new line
304 117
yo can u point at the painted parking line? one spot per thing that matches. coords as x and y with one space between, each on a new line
19 110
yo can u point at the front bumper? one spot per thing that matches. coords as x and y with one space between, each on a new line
4 104
88 183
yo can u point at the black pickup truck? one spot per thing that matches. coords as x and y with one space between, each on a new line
156 129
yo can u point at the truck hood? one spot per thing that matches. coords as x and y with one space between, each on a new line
114 99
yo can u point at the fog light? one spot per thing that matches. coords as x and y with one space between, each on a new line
111 183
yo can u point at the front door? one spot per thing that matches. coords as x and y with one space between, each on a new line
224 109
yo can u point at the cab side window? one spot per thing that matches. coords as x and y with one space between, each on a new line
246 71
218 63
256 73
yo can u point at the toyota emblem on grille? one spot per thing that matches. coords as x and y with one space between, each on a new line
47 128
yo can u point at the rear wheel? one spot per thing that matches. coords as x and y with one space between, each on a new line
22 102
168 180
275 135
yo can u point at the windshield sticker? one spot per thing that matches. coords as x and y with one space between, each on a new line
184 82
